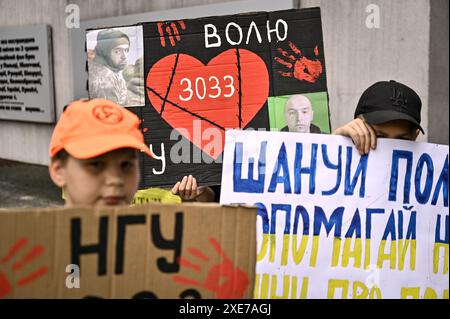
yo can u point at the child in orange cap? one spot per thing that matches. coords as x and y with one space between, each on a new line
94 153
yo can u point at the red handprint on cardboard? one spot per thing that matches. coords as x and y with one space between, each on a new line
299 66
170 29
6 286
224 279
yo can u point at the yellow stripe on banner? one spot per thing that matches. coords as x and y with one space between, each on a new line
355 253
336 251
437 257
315 248
305 284
360 290
402 250
263 251
334 284
256 290
273 246
367 253
265 287
375 292
293 287
430 294
391 256
407 292
285 251
297 254
273 287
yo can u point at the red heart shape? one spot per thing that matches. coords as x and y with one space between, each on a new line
208 93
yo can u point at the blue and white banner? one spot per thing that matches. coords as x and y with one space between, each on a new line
334 224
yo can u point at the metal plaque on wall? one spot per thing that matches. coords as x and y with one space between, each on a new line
26 74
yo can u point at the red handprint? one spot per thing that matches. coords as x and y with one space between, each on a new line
300 67
5 285
171 29
224 279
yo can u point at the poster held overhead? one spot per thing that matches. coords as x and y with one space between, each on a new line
204 76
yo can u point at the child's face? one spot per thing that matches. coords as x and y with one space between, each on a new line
107 180
400 129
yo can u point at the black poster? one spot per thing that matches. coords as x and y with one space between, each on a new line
262 71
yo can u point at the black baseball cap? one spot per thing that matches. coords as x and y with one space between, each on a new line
387 101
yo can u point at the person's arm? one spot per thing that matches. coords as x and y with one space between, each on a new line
362 134
188 190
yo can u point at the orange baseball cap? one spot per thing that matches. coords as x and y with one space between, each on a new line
89 128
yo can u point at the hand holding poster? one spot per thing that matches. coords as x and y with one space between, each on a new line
333 224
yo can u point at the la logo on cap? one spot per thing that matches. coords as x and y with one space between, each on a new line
107 114
398 98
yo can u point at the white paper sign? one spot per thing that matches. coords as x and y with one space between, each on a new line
333 224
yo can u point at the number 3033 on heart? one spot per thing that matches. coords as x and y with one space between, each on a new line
213 87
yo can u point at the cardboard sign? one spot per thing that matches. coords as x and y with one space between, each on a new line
263 70
333 224
26 74
145 251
